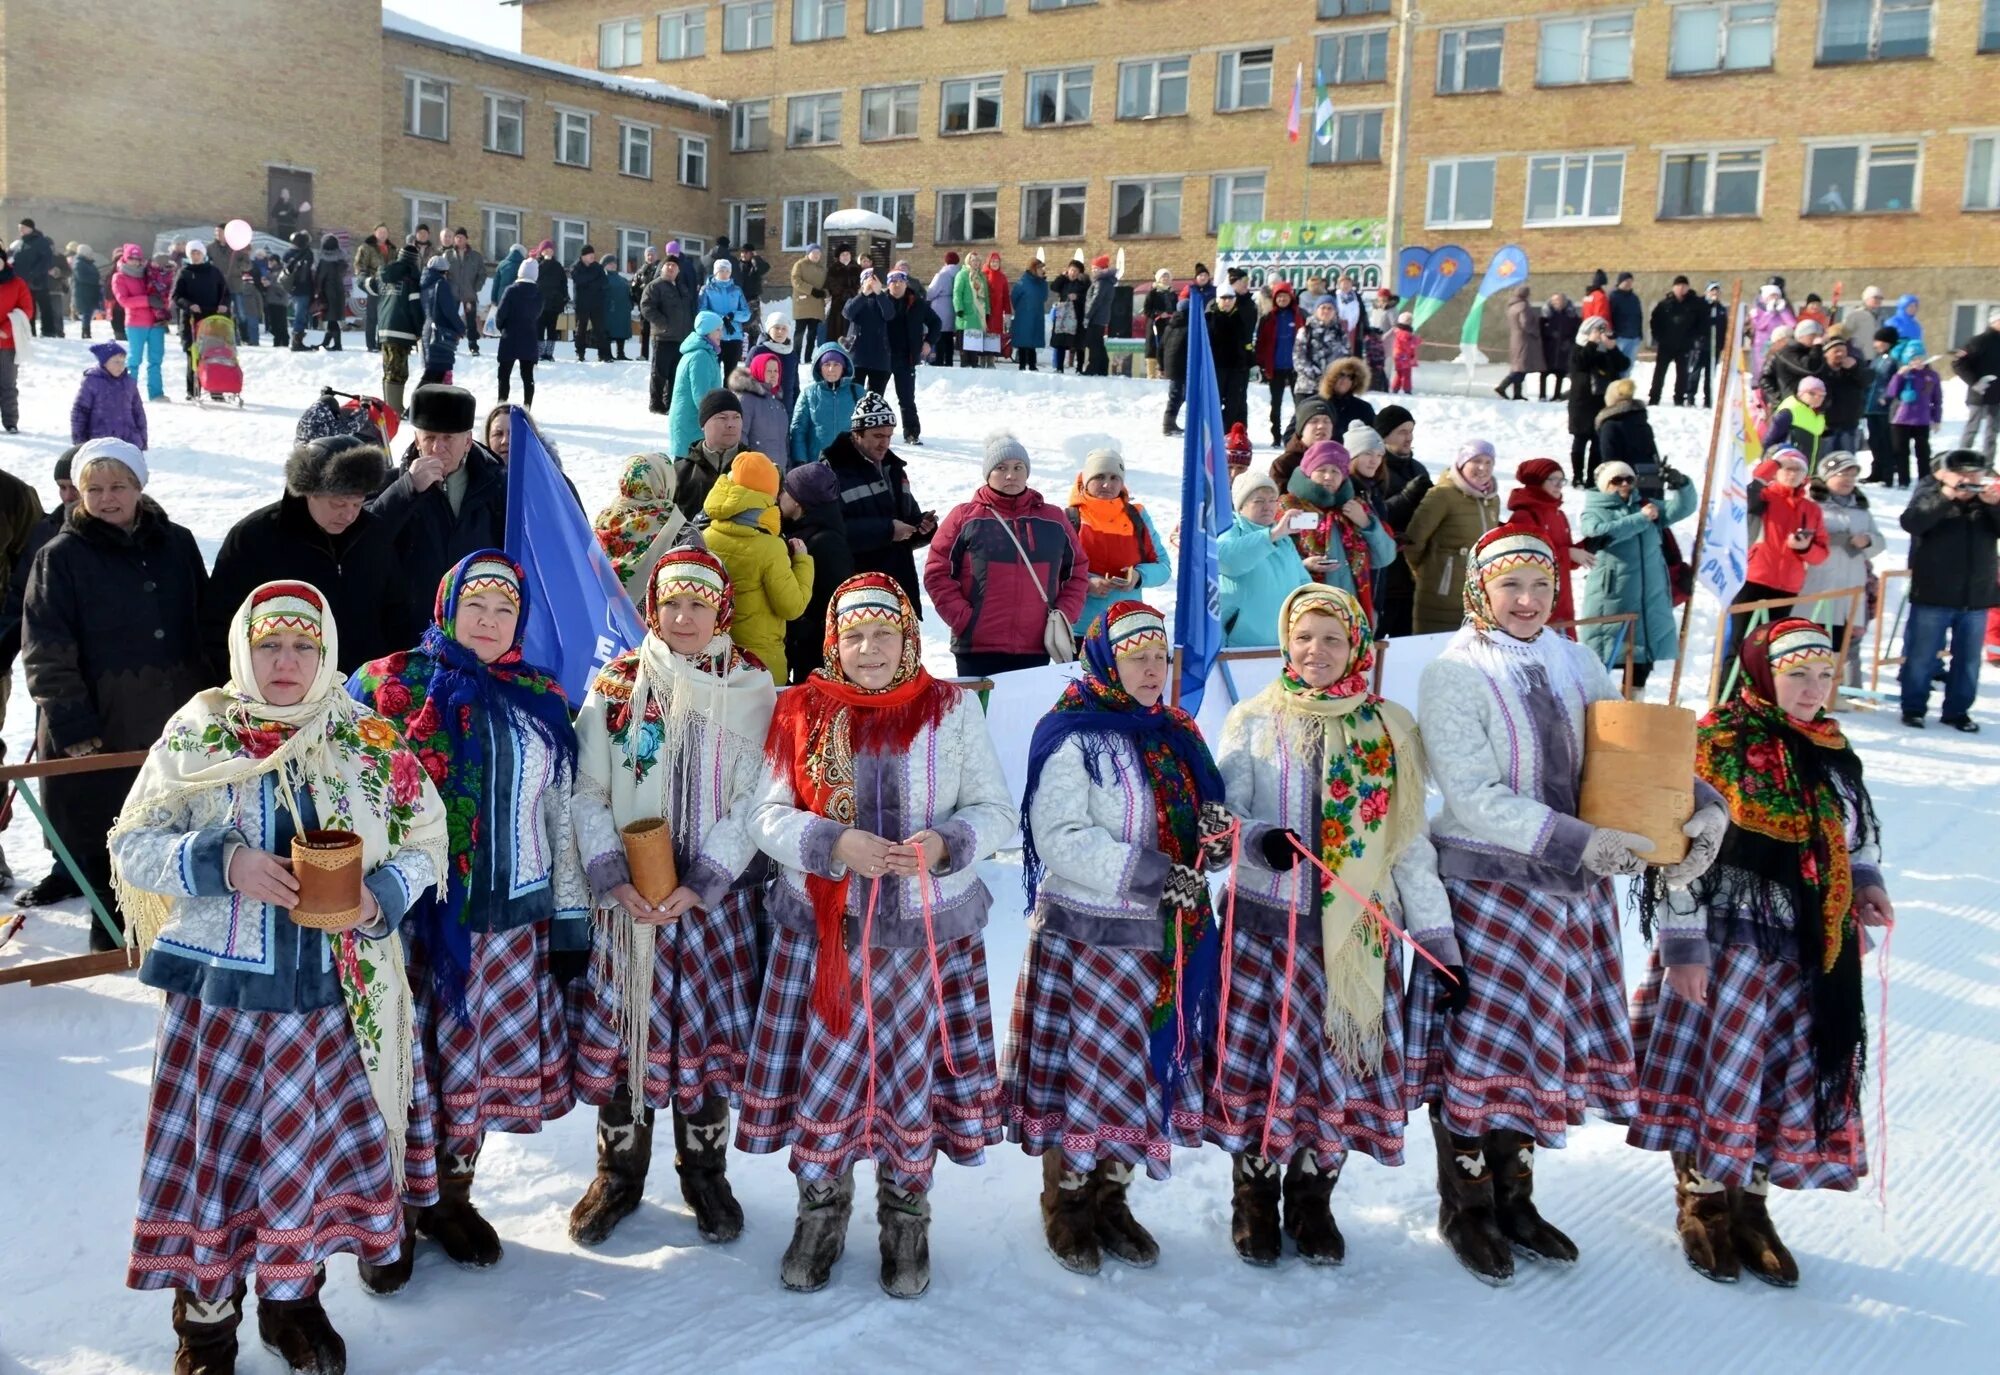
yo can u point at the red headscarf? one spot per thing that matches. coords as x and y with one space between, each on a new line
1535 508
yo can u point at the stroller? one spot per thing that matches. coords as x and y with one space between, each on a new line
217 375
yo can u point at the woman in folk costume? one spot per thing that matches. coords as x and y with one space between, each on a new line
280 1129
673 729
1749 1023
1528 1029
493 733
642 523
1310 1047
874 1041
1116 1003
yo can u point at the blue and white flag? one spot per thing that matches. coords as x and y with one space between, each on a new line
1205 513
1723 561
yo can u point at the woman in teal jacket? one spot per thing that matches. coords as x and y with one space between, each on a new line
826 404
699 373
1631 569
1257 571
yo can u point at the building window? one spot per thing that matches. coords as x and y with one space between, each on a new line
635 150
1056 98
1153 90
1595 47
692 161
1739 37
1243 80
1982 172
967 216
1052 212
431 210
1235 198
748 24
884 15
1357 137
1348 9
813 20
888 112
1461 194
696 246
750 126
803 217
1469 60
812 121
1059 4
569 237
504 121
499 231
683 34
1140 208
1575 188
1968 318
955 10
632 246
1353 59
1848 178
969 105
1989 27
746 225
621 43
1862 30
572 138
427 108
897 207
1707 185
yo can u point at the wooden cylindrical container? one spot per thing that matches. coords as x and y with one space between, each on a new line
1638 773
649 853
327 865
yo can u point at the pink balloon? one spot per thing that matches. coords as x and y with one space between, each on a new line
305 206
237 233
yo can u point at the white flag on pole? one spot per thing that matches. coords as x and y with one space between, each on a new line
1722 563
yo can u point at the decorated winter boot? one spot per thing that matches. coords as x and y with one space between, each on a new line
701 1152
1118 1232
1466 1219
1067 1222
820 1234
453 1223
298 1331
387 1278
624 1153
905 1217
1757 1244
1253 1209
1513 1159
1704 1223
1309 1211
207 1332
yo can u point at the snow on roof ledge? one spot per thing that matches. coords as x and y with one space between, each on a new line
402 26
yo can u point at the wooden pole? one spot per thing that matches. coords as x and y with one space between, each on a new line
1728 365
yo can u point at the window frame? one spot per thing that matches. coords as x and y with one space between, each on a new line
692 22
971 195
824 11
629 133
900 24
416 95
1229 70
827 204
1561 221
1051 6
1714 153
1057 195
1330 72
1380 114
419 208
1154 87
1980 310
752 10
973 84
1461 33
698 147
739 112
740 218
1151 228
862 201
1989 27
979 13
633 34
557 237
1590 19
645 242
1873 54
819 97
915 92
1220 196
1722 9
488 222
1339 9
1455 220
1864 147
1989 136
1063 77
563 115
490 112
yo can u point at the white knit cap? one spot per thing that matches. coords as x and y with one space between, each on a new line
1361 438
1100 462
1248 485
113 450
1001 445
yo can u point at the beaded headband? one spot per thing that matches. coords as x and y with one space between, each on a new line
286 608
1135 627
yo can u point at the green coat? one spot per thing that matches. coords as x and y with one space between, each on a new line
1438 547
1631 575
969 297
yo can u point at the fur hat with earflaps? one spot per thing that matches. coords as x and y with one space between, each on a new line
336 465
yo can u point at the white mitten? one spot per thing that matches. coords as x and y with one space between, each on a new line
1614 852
1704 831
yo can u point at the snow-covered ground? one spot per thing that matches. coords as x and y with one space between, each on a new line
1913 1290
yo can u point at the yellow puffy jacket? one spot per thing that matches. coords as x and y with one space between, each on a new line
772 585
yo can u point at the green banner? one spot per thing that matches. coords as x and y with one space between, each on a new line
1296 248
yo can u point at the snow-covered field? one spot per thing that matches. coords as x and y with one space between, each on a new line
1910 1290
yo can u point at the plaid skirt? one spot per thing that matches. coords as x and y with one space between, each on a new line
834 1100
507 1067
1078 1078
704 994
1544 1036
264 1151
1732 1083
1316 1103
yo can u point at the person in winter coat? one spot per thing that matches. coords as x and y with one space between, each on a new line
1342 387
450 496
111 642
1877 405
1594 365
247 288
35 261
1905 322
1799 357
1438 542
615 322
709 458
1847 386
809 296
1559 323
1524 343
722 296
1770 314
1257 564
1596 300
642 523
826 404
1030 330
668 308
1156 309
507 271
1000 563
776 342
1852 539
553 282
999 297
1232 336
867 334
885 525
1628 319
1537 505
1626 528
587 300
810 512
1789 537
1680 323
1977 364
843 280
772 578
751 268
107 400
1916 407
1276 352
143 295
1336 534
199 292
86 289
1097 302
400 321
468 269
1122 548
444 324
970 299
1066 326
1320 343
1387 475
1953 521
376 249
517 320
913 330
1625 432
1405 353
330 289
939 294
766 426
698 373
1797 421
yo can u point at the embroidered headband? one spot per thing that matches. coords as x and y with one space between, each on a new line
491 575
286 608
1503 550
685 573
1134 627
866 605
1795 644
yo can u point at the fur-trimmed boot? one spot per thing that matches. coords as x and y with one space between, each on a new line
1513 1158
390 1276
1702 1217
1254 1224
207 1332
298 1331
701 1155
905 1218
1067 1222
1757 1245
1466 1219
820 1234
624 1153
453 1223
1118 1232
1309 1211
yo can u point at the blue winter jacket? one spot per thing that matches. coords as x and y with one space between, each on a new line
868 320
1031 312
699 373
1257 574
725 298
444 323
506 270
823 412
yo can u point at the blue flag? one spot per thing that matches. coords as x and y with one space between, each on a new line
1204 511
580 617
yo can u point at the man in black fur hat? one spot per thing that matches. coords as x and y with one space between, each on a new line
449 500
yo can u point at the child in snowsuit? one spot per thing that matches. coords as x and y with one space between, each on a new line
1403 347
